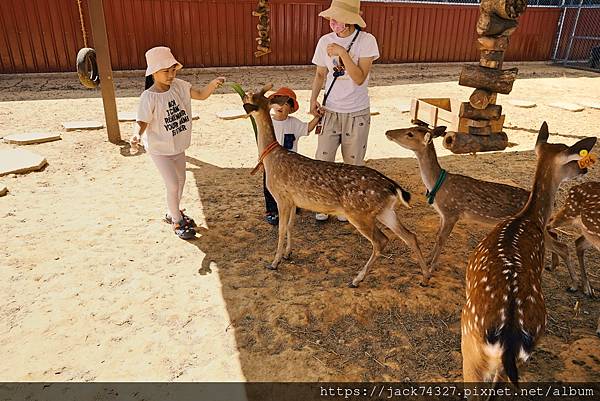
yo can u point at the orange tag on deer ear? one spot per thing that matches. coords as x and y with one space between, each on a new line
587 159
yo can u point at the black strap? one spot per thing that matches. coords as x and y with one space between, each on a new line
336 76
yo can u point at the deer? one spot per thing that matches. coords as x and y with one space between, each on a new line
581 209
462 197
504 316
365 196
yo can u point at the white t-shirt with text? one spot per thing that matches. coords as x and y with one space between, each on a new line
169 118
292 127
346 96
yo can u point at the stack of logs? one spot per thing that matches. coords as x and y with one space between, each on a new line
498 19
264 41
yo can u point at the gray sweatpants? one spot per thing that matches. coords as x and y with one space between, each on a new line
351 130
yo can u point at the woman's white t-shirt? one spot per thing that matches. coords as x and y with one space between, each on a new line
346 96
289 126
169 118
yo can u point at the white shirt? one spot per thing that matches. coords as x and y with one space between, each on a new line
346 96
290 126
169 118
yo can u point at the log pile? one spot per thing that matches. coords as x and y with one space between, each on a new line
498 19
263 40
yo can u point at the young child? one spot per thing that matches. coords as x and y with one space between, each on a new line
164 120
288 130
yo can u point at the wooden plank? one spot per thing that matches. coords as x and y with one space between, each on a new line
107 86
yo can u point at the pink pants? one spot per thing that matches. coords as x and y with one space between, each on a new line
172 170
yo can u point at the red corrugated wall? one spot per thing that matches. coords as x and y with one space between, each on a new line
45 35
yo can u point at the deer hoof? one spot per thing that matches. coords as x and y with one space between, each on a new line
589 291
287 256
352 285
572 289
270 266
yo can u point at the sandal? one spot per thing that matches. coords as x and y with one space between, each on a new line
272 218
188 220
184 231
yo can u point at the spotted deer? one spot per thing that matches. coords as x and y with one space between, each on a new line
363 195
582 209
505 315
463 197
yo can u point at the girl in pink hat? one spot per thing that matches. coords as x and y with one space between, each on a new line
164 120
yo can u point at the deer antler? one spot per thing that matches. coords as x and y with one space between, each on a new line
265 89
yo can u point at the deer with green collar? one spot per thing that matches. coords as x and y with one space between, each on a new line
365 196
456 196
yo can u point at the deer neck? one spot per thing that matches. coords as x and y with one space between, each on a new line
429 166
541 198
264 126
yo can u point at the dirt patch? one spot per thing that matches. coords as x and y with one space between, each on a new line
96 287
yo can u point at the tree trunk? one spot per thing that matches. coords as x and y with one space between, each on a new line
491 112
510 9
491 59
500 81
482 131
490 43
481 98
492 25
460 142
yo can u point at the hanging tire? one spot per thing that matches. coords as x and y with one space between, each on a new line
87 68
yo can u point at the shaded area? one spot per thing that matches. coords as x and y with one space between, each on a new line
302 323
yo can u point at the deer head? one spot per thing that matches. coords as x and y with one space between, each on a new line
558 159
253 102
415 138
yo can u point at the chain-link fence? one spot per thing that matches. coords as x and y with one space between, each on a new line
578 41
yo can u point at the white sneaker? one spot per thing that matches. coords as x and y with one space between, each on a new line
321 216
342 218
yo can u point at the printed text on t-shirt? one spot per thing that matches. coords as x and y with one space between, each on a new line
176 119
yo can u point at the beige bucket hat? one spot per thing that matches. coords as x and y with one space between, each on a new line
346 11
159 58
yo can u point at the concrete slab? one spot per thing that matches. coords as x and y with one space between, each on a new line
374 111
127 115
82 125
567 106
195 115
20 161
591 103
526 104
3 190
404 107
31 137
231 114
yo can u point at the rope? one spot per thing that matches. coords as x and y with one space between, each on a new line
82 24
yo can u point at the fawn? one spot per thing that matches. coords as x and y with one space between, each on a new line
465 197
363 195
582 209
505 315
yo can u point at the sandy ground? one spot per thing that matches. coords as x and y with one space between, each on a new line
95 287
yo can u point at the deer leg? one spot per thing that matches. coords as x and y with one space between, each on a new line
378 239
598 329
472 358
284 219
288 248
559 249
446 227
389 218
581 244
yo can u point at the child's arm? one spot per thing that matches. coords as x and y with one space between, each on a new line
313 123
204 93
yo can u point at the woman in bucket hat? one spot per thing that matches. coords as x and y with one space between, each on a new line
343 59
164 119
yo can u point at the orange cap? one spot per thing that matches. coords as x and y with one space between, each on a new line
283 91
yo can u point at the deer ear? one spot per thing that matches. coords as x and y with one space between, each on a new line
265 89
249 107
543 134
438 131
427 139
573 152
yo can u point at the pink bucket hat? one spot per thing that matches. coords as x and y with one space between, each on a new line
159 58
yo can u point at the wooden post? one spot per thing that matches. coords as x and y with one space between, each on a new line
105 70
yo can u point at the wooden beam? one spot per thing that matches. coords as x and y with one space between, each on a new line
500 81
107 86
